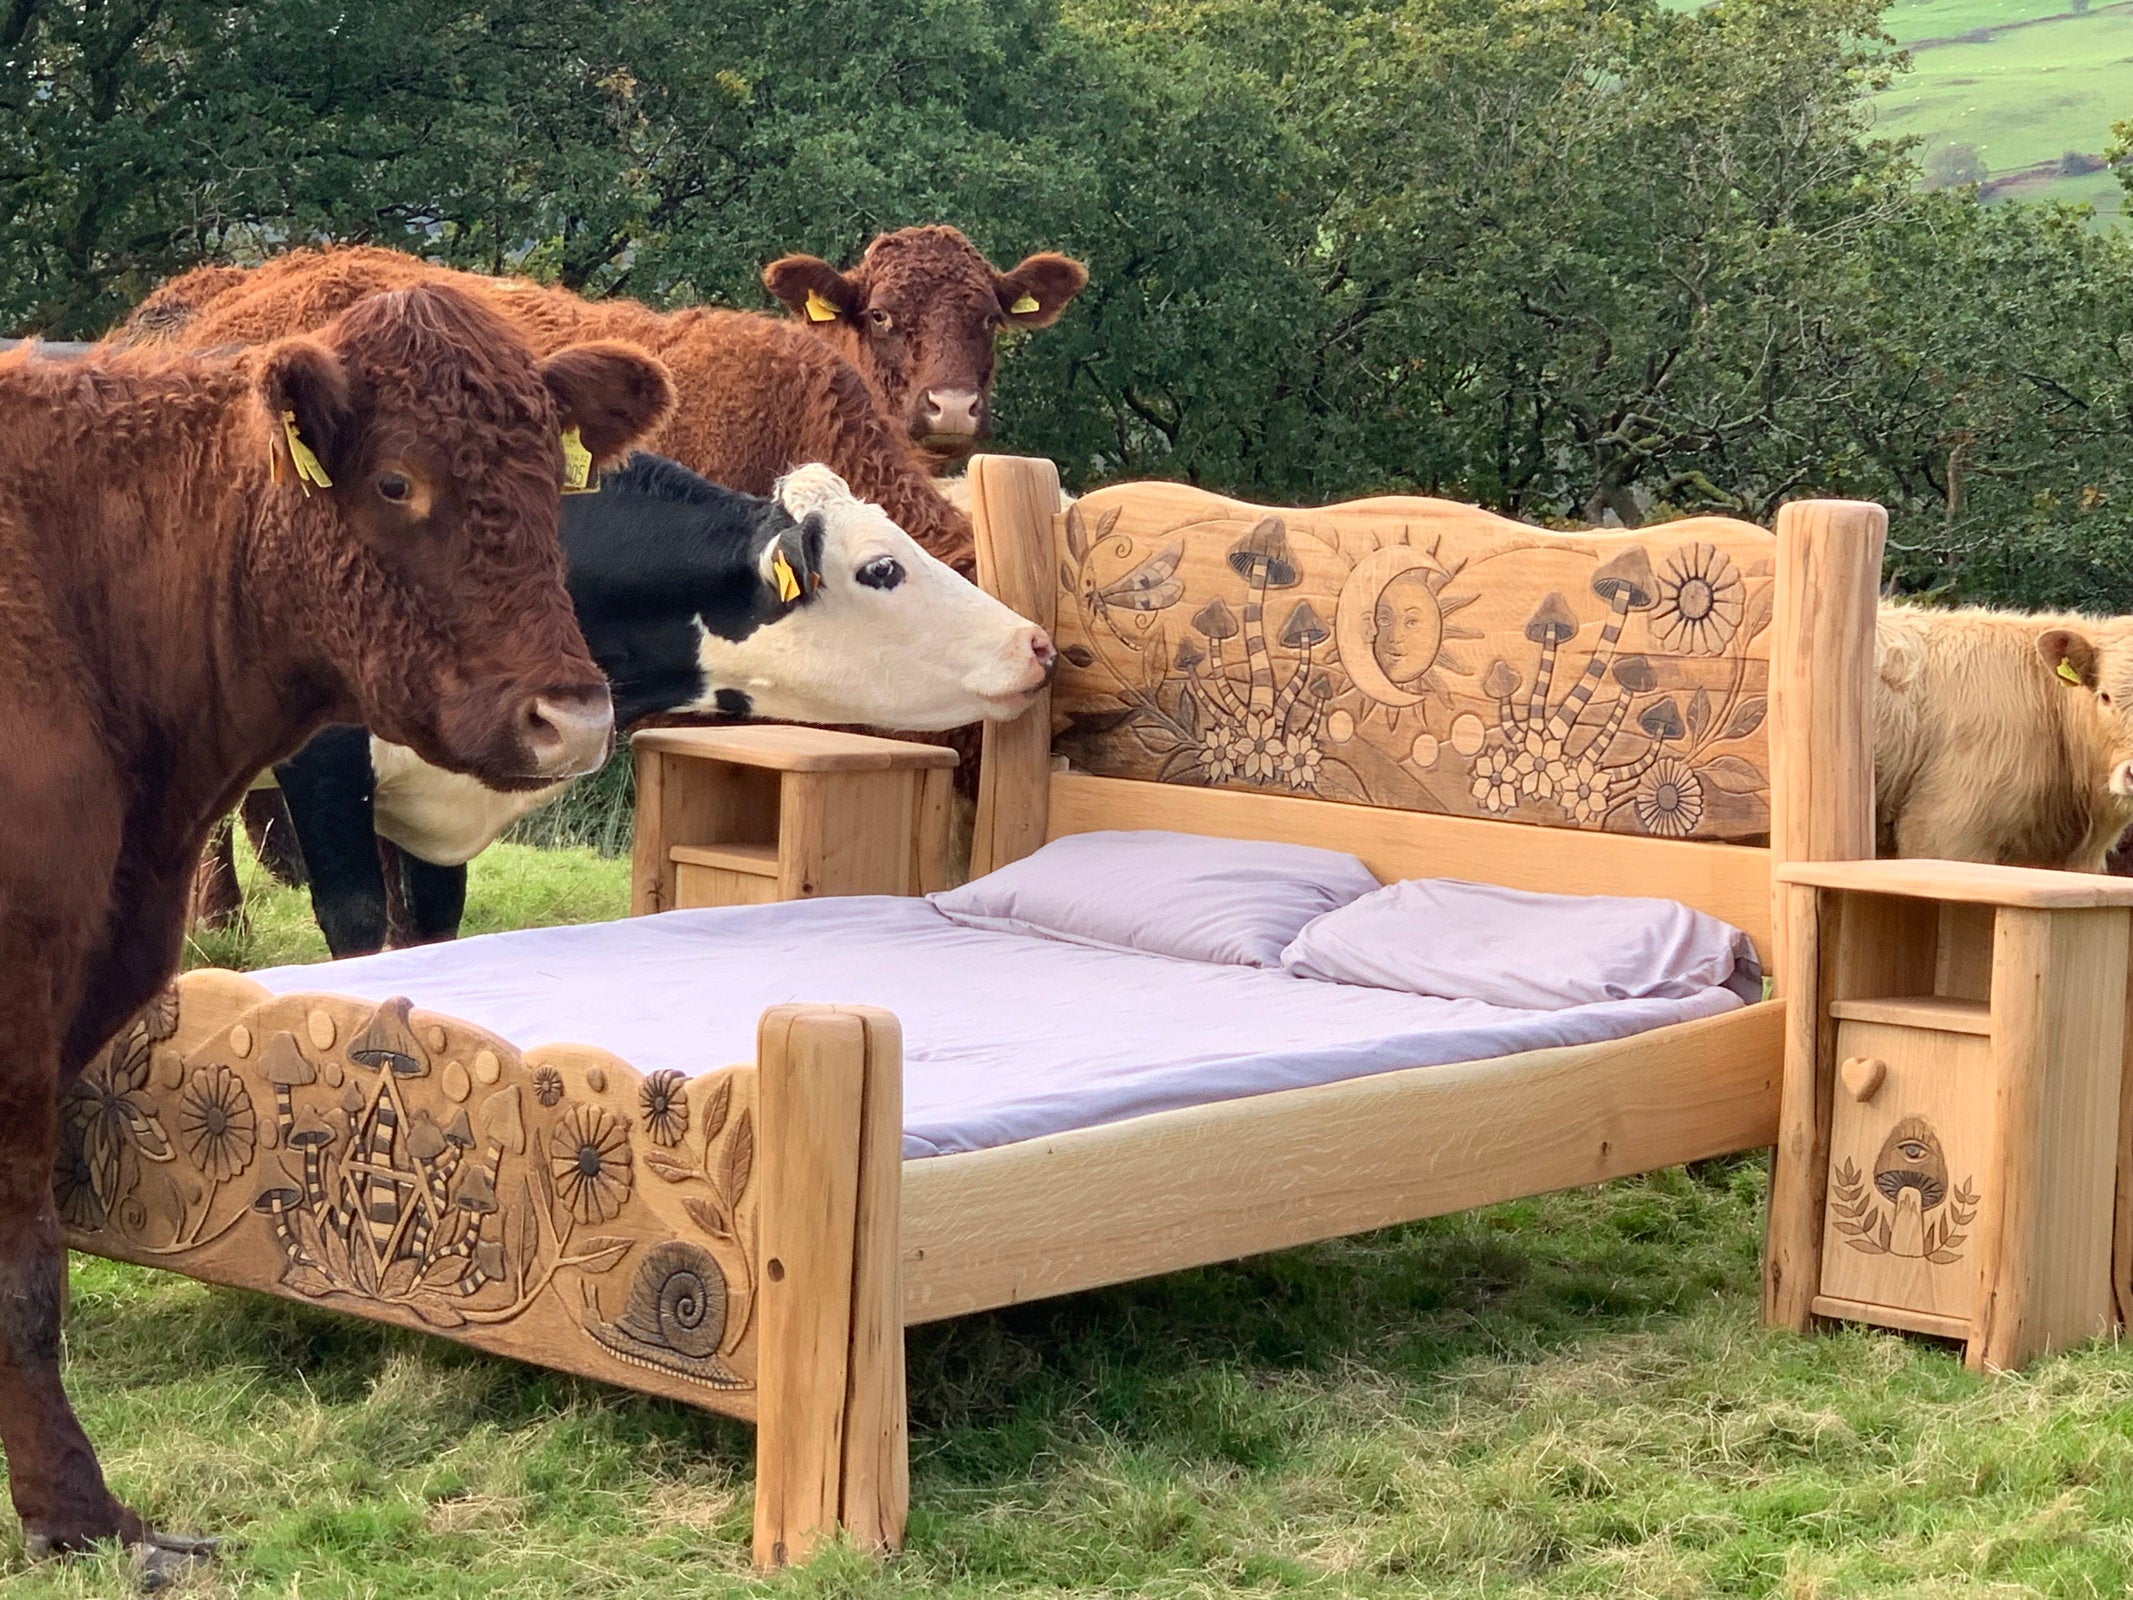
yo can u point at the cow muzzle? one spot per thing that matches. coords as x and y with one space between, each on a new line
1033 660
566 732
950 418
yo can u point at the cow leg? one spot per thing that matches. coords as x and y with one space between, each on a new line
328 787
273 836
436 900
217 895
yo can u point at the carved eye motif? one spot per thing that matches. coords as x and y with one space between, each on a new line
1913 1149
883 572
394 486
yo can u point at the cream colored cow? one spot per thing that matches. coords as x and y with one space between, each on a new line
2003 736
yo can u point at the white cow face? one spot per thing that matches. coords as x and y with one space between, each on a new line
892 637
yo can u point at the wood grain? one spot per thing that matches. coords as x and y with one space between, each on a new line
1799 1170
1013 509
1969 882
783 748
1210 1183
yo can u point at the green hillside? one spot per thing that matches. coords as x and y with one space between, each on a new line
2024 82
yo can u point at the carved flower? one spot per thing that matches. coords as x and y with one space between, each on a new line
1495 786
1669 798
665 1099
1257 746
1218 762
74 1185
589 1153
1701 600
216 1123
1583 791
1539 760
1297 761
547 1086
117 1121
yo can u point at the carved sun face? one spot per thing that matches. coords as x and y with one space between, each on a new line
1396 629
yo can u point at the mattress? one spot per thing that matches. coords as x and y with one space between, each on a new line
1006 1036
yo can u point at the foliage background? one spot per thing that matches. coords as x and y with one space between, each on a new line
1571 258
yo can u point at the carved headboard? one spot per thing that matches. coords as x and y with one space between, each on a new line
1440 689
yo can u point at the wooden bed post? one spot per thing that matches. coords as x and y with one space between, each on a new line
1821 809
831 1444
1013 501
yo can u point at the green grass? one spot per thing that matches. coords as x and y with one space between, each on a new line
1567 1396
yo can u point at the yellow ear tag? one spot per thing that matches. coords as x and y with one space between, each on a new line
788 585
577 465
1026 304
819 309
2066 671
308 470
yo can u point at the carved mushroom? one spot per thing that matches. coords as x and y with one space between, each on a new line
1550 625
477 1193
1262 557
1663 721
387 1040
312 1141
1188 656
1635 674
1626 584
285 1067
425 1140
1303 630
1216 620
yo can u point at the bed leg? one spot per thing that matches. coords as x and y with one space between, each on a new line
831 1442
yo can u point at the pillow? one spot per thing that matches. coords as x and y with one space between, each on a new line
1535 952
1235 901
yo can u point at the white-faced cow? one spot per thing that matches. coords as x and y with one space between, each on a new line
677 587
202 560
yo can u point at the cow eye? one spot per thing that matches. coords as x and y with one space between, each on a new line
883 572
881 319
394 486
2104 695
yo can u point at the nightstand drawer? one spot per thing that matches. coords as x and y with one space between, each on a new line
1909 1136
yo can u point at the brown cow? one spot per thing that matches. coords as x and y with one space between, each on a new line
920 316
756 396
178 608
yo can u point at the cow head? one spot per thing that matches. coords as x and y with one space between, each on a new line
426 569
918 317
2098 666
870 628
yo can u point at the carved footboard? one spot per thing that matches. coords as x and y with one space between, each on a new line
552 1204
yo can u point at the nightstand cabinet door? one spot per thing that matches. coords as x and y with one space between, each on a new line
1910 1137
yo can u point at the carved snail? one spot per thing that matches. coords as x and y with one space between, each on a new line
675 1318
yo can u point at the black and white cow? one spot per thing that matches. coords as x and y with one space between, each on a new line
678 589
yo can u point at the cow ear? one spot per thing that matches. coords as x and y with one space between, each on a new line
2071 657
812 289
614 394
305 389
1036 292
792 562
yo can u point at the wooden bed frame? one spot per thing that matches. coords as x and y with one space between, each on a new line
1367 677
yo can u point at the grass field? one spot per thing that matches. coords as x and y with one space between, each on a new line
2024 81
1562 1397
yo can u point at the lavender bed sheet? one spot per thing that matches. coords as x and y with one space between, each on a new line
1006 1036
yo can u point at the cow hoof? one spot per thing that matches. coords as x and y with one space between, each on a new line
162 1559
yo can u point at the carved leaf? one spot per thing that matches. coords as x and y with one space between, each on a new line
362 1268
1106 520
1733 775
1758 614
439 1313
707 1215
1699 714
716 1104
399 1279
1747 718
307 1280
667 1167
601 1254
444 1272
1882 1234
1942 1257
736 1164
1077 536
1066 577
1079 655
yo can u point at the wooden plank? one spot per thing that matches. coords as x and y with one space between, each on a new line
1731 882
812 1062
846 832
1926 1322
1934 1012
1799 1170
1975 882
1963 963
1014 507
784 748
759 859
932 836
1821 683
698 887
877 1483
687 801
1214 1182
2045 1225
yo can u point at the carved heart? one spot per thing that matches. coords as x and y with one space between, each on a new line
1862 1076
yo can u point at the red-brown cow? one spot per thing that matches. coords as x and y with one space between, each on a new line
179 608
920 317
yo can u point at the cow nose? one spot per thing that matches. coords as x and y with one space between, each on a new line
568 730
1041 656
951 411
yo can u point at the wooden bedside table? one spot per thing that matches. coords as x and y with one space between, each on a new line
751 814
1949 1137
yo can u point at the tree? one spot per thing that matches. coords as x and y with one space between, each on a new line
1953 165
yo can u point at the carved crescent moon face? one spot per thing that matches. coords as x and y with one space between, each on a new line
1355 617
